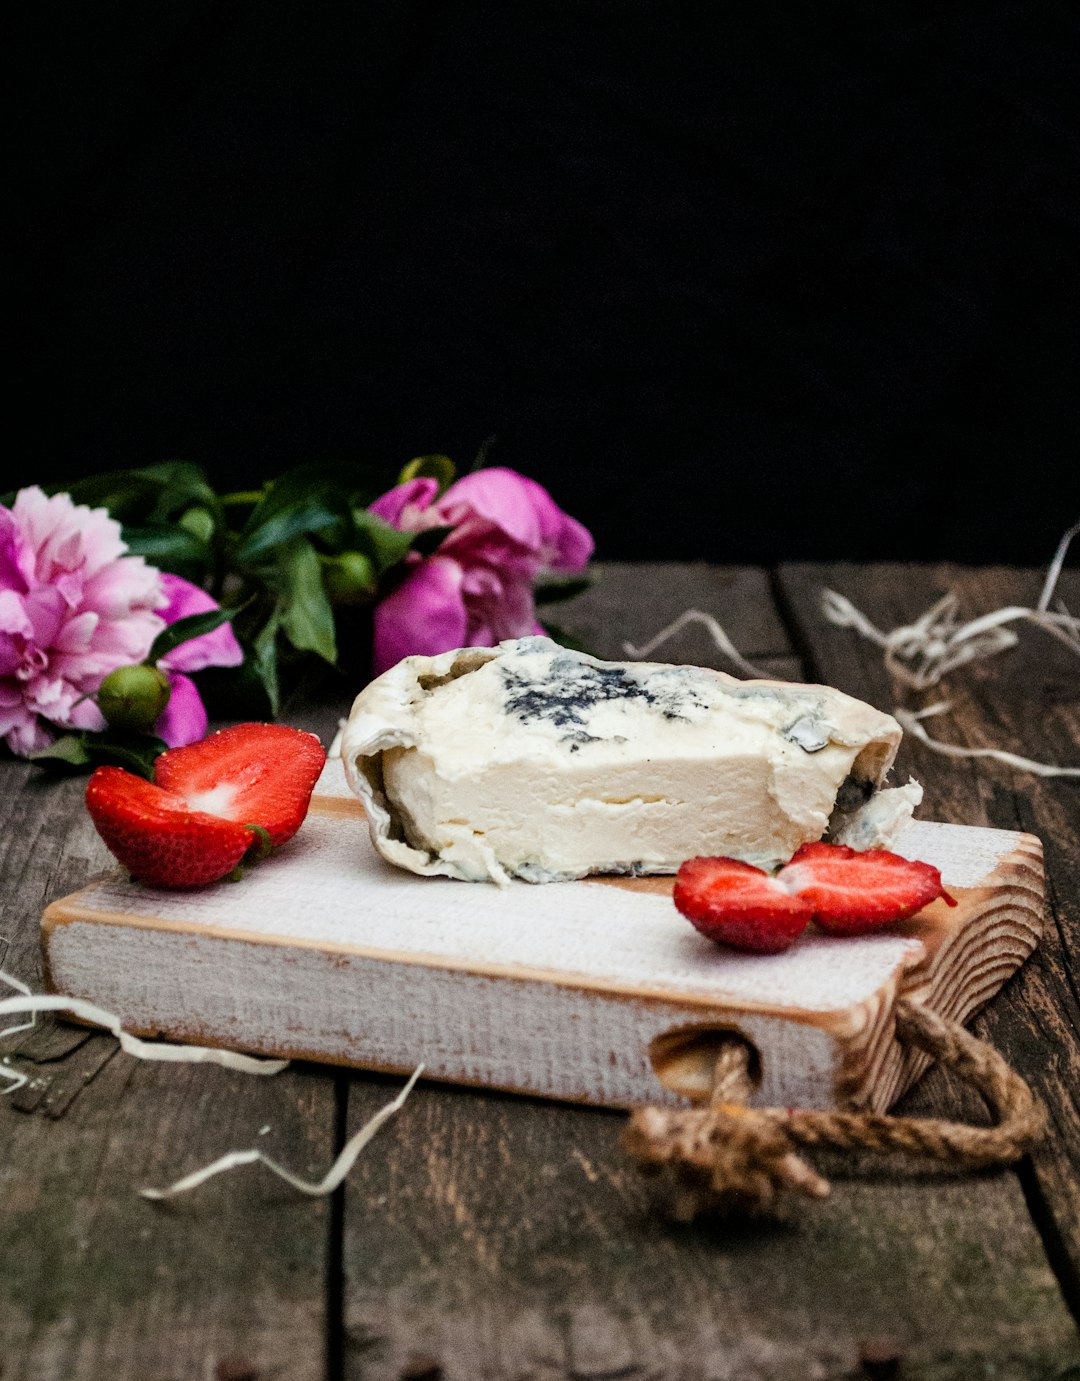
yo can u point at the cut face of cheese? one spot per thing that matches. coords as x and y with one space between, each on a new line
528 760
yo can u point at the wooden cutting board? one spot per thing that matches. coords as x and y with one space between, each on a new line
594 991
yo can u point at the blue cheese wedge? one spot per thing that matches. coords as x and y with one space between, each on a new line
530 761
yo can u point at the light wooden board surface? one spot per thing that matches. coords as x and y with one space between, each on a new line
585 991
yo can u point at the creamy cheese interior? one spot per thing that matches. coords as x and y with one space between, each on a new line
529 760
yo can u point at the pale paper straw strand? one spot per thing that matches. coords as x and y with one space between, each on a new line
689 616
329 1182
911 721
938 642
16 1079
142 1050
21 988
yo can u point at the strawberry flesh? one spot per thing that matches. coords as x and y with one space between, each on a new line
737 904
843 891
212 801
853 893
157 836
254 774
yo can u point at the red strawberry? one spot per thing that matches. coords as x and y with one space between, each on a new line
213 800
854 893
740 905
157 836
255 774
843 891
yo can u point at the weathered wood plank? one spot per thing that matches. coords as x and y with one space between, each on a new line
500 1237
1026 700
634 601
95 1281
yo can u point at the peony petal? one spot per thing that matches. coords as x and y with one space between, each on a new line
126 584
13 615
216 649
424 615
12 554
27 735
499 609
522 509
77 634
184 718
415 495
84 714
46 609
11 654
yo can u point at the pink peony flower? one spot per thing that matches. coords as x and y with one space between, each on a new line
184 718
477 588
73 607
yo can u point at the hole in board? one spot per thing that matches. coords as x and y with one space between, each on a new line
684 1058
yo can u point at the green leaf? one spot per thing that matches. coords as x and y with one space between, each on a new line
440 468
265 660
555 591
69 750
183 630
564 638
306 617
128 495
301 502
170 548
180 484
384 544
136 752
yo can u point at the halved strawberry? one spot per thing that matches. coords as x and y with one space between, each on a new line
740 905
853 893
157 836
255 774
845 892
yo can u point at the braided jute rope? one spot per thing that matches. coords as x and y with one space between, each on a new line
728 1157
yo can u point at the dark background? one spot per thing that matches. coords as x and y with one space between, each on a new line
738 282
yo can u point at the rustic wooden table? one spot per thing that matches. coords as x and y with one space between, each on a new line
487 1236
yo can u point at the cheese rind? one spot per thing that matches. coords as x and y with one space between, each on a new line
529 760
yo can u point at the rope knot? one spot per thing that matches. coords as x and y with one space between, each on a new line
729 1158
726 1159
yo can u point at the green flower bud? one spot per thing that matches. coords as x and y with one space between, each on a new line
132 698
348 578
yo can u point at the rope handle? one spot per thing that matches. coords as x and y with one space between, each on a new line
728 1157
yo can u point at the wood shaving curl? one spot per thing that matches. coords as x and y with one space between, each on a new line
142 1050
706 621
910 719
921 653
329 1182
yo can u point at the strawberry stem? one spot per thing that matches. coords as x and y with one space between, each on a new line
260 846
